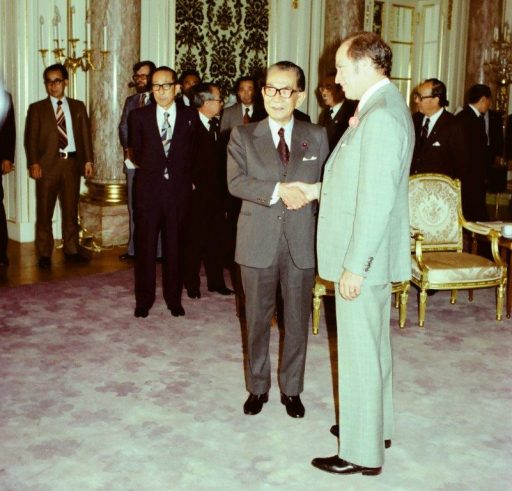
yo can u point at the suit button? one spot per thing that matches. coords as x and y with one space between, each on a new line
279 217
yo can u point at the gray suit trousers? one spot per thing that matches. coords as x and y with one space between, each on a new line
365 375
260 286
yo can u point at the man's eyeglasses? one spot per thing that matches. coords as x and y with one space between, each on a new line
421 97
284 92
138 77
165 87
55 81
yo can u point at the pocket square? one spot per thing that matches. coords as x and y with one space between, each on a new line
436 144
314 157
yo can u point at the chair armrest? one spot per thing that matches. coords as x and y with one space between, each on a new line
479 228
418 252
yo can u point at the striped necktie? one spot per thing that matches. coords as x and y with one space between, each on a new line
166 134
61 126
142 100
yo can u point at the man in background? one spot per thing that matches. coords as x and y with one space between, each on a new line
206 222
7 147
142 71
59 150
163 138
187 80
338 110
439 143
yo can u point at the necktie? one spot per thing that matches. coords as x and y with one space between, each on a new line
331 113
61 126
424 129
142 100
247 118
214 128
282 148
166 139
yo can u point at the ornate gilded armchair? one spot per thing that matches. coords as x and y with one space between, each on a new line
438 261
323 287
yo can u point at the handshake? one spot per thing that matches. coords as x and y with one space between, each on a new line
297 194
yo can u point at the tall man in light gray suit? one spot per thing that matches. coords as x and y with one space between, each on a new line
276 229
363 245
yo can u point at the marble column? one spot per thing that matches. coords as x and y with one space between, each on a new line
484 15
116 29
342 17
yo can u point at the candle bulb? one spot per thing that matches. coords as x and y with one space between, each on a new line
105 43
41 32
88 29
71 13
55 32
496 34
57 22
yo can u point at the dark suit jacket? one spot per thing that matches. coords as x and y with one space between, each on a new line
41 134
131 103
496 175
254 168
8 134
475 169
144 138
444 150
337 126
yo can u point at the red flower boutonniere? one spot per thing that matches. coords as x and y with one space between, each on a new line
353 122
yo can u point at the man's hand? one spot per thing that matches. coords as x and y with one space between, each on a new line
88 170
311 191
293 197
35 171
350 285
6 167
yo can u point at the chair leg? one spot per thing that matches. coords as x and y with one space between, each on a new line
453 296
397 300
470 295
422 307
402 313
316 313
500 293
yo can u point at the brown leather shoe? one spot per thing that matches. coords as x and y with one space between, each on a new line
254 403
336 465
335 430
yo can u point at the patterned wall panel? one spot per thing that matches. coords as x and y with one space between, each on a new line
222 39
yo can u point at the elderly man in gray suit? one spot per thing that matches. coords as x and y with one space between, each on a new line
276 229
363 245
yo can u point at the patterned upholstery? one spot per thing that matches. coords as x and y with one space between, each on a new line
438 262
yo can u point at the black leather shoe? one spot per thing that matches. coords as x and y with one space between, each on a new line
126 257
44 262
76 258
223 290
254 403
294 406
335 465
177 311
193 293
335 430
141 312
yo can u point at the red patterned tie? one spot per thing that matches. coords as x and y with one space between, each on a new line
282 148
61 126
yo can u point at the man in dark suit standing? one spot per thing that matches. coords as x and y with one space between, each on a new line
472 122
206 222
162 136
141 80
7 147
338 110
59 149
276 231
439 143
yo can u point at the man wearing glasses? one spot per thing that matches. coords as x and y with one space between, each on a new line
439 143
59 150
141 81
162 137
276 231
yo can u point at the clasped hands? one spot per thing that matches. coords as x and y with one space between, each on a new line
297 194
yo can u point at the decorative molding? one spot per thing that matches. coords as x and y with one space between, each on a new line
222 39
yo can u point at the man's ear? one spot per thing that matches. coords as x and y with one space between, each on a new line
300 99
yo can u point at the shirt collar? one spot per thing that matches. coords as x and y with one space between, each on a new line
434 117
369 92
